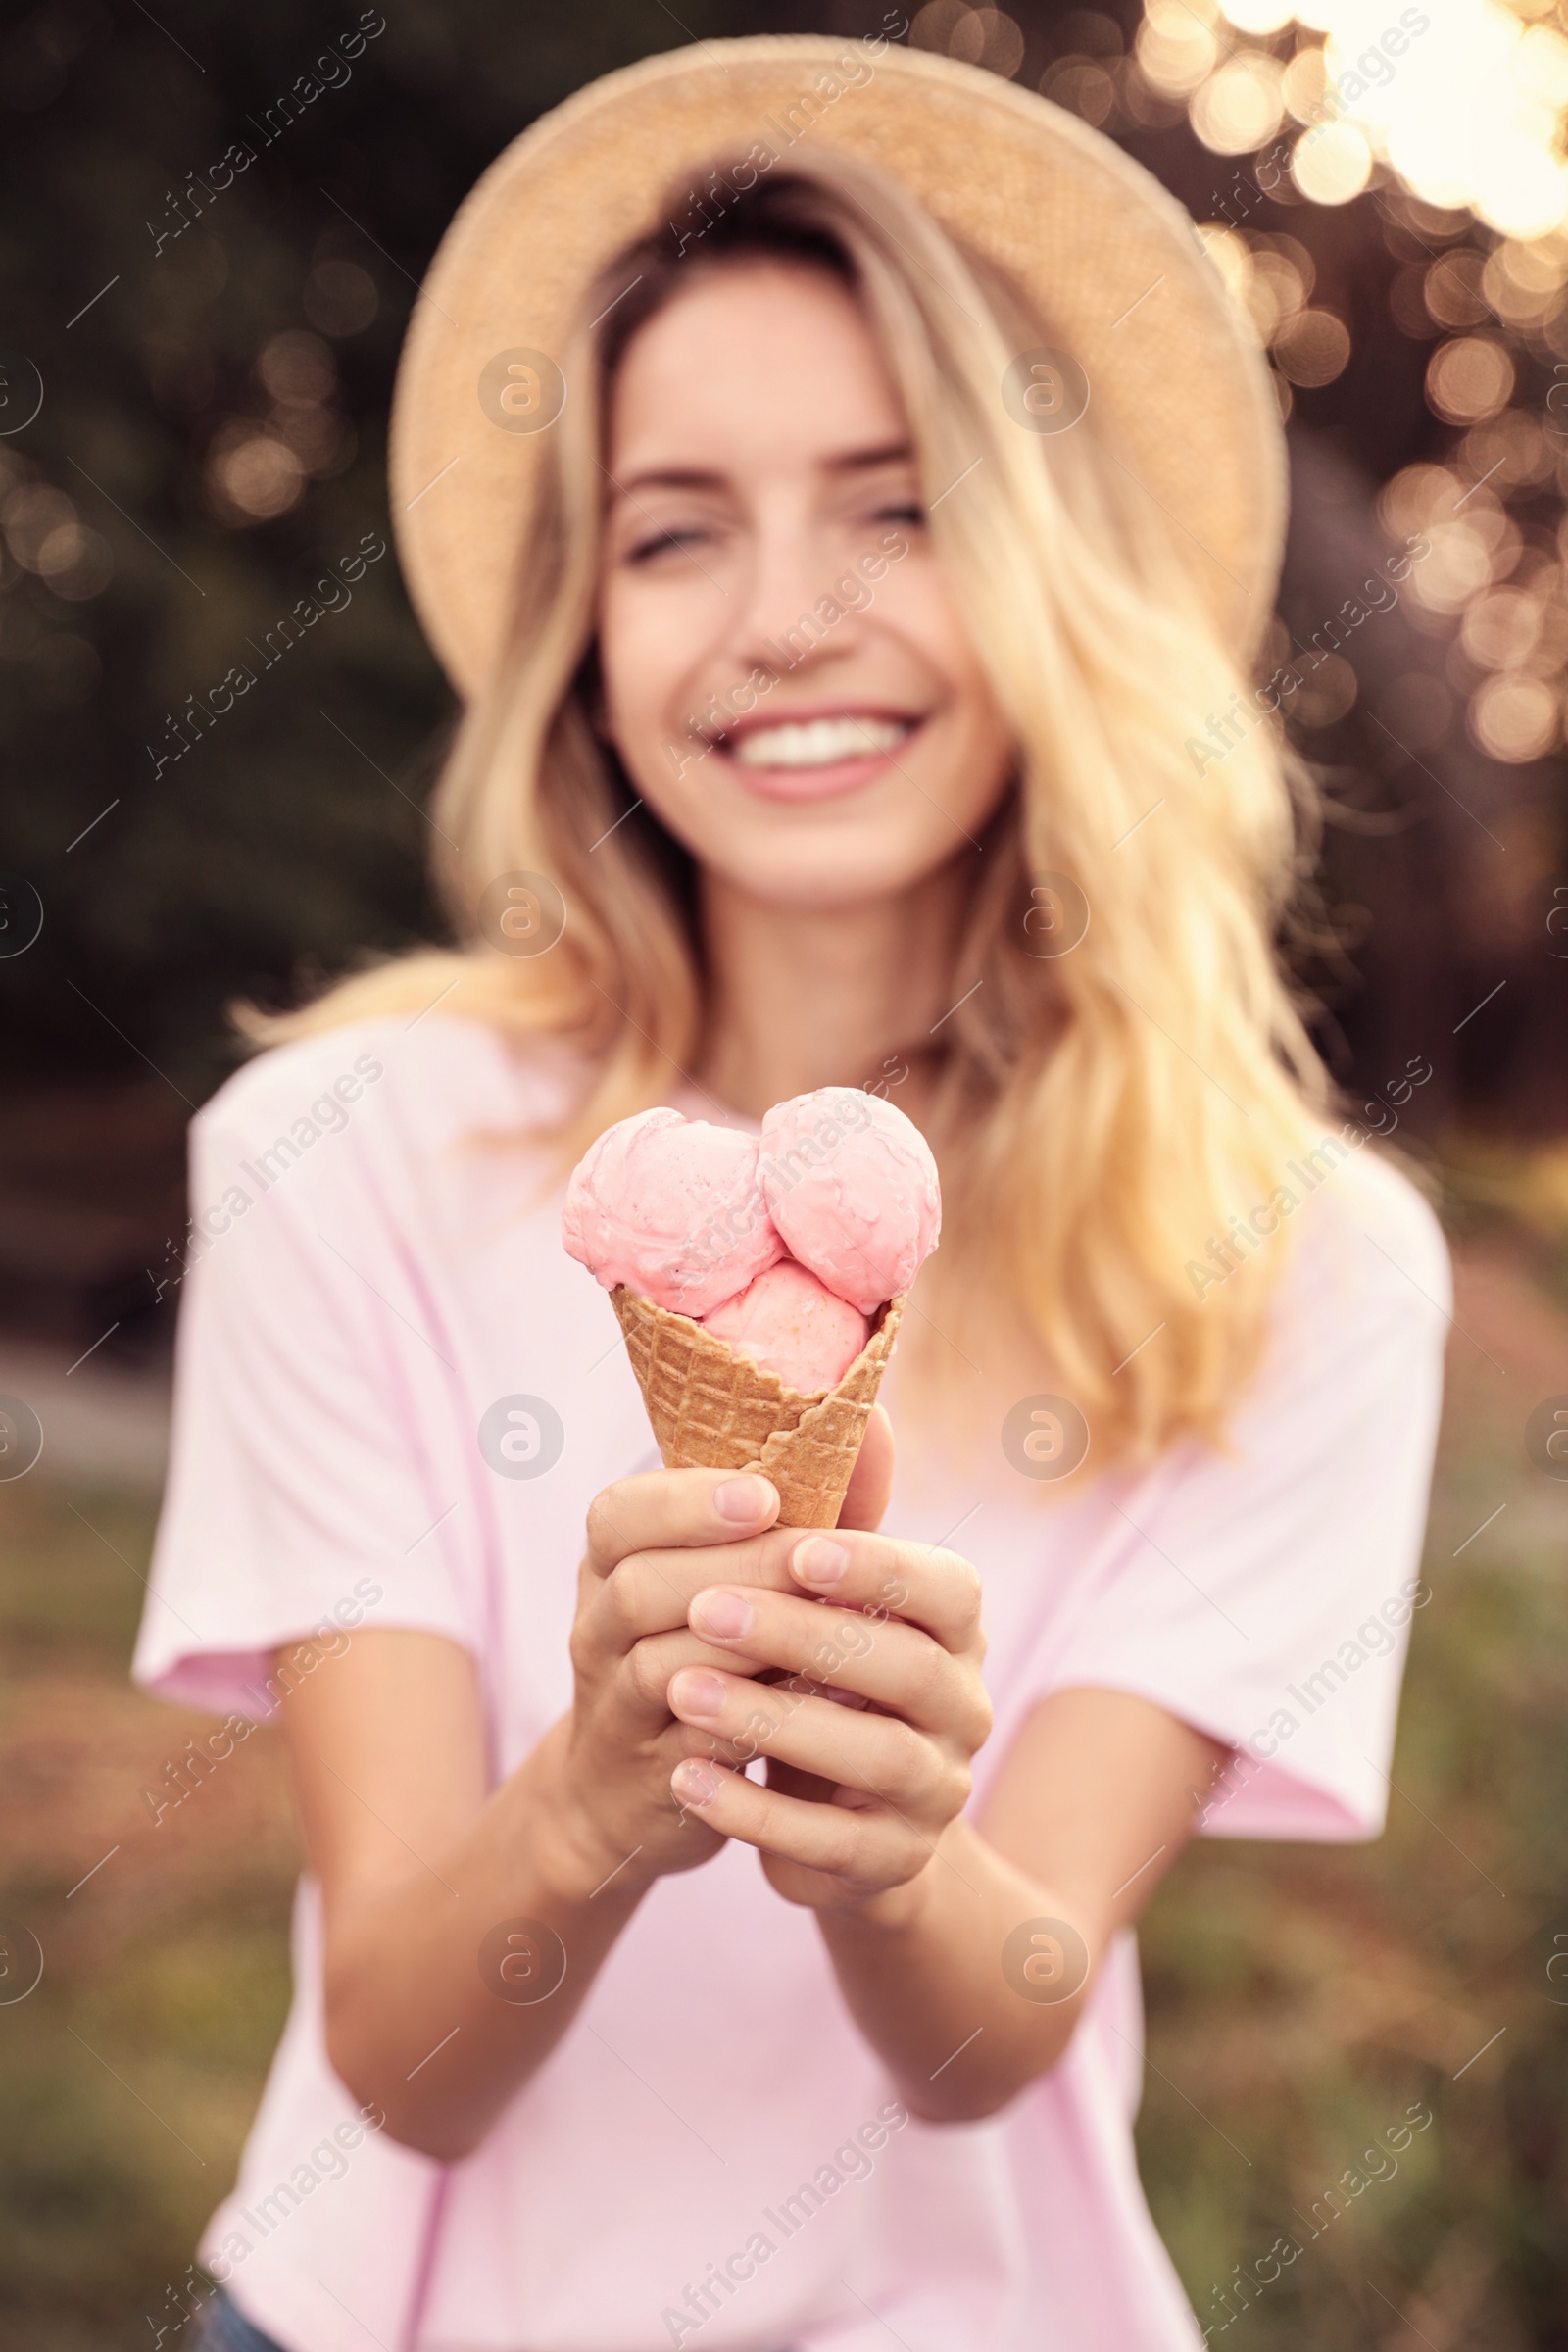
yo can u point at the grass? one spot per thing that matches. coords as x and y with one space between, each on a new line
1302 2000
1307 1998
129 2078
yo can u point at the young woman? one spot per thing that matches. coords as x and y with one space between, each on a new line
834 599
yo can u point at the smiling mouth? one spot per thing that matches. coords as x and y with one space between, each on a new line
804 744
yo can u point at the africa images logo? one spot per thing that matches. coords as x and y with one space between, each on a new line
521 1437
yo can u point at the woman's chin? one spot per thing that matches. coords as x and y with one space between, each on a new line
871 839
820 873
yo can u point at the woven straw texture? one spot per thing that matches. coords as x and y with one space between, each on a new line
1110 259
712 1409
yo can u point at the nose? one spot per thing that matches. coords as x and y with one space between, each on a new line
786 614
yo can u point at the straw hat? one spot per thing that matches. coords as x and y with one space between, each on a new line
1110 258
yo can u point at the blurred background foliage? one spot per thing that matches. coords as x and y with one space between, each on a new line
194 381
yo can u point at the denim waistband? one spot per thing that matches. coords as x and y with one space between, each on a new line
225 2329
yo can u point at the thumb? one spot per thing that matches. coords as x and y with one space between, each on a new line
871 1479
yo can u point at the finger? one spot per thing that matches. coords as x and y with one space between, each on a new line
935 1589
876 1754
896 1665
871 1479
865 1844
646 1670
650 1592
666 1507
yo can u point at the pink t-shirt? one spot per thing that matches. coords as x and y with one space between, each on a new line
396 1396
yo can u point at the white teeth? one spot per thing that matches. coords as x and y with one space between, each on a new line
818 742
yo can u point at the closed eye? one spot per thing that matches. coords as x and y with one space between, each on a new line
642 550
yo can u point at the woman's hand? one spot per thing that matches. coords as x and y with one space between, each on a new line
653 1542
869 1732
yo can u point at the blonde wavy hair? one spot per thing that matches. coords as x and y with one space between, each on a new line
1100 1114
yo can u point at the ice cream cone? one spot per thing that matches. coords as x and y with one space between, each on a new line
712 1409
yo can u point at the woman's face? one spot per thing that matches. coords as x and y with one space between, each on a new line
786 678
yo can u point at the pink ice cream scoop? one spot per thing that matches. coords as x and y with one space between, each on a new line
795 1325
852 1186
672 1209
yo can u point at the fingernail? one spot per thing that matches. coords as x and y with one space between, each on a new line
744 1501
724 1614
695 1784
817 1561
698 1694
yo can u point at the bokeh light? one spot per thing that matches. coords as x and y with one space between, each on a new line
1502 628
252 477
76 563
1239 106
1083 85
1326 693
1312 347
30 517
1462 99
1514 718
979 37
340 298
987 36
1175 48
298 367
1469 378
1257 15
1451 117
1331 163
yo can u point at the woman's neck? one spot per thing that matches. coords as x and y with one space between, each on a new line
847 996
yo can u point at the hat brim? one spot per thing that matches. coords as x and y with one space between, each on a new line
1107 255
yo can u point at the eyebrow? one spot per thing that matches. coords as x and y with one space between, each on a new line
689 477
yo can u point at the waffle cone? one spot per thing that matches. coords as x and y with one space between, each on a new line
714 1409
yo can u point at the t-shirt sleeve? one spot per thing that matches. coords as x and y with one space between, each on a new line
1264 1593
311 1405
